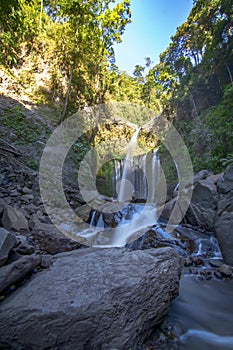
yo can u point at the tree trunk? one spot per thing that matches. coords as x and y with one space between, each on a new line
229 73
63 114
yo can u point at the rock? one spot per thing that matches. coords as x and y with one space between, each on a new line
225 184
7 242
197 260
46 260
202 175
24 247
223 228
83 212
3 205
14 193
26 190
225 203
27 198
13 219
226 270
202 209
18 269
52 241
218 274
215 262
167 210
92 299
224 218
188 262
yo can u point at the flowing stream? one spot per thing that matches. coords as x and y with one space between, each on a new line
202 315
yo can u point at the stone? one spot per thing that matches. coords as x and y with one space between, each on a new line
203 206
92 299
215 262
226 270
13 219
26 190
167 210
25 248
83 212
7 242
225 184
27 198
3 205
202 175
223 228
197 260
51 240
14 272
225 204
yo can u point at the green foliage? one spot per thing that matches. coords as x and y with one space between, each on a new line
27 130
220 121
33 164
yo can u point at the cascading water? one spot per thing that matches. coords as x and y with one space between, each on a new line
136 180
124 184
143 172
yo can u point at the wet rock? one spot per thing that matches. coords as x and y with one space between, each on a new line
13 219
51 240
7 242
147 241
226 270
215 262
188 262
218 274
207 273
92 299
197 260
12 273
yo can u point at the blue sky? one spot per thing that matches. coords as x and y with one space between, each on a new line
154 22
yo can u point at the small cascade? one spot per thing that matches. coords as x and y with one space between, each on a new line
93 218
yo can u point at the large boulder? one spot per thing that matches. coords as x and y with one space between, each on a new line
92 299
224 218
203 206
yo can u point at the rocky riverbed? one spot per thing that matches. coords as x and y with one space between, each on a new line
51 285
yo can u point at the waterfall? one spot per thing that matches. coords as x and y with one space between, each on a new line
141 174
125 191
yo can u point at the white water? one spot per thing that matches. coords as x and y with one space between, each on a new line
123 193
139 177
135 178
